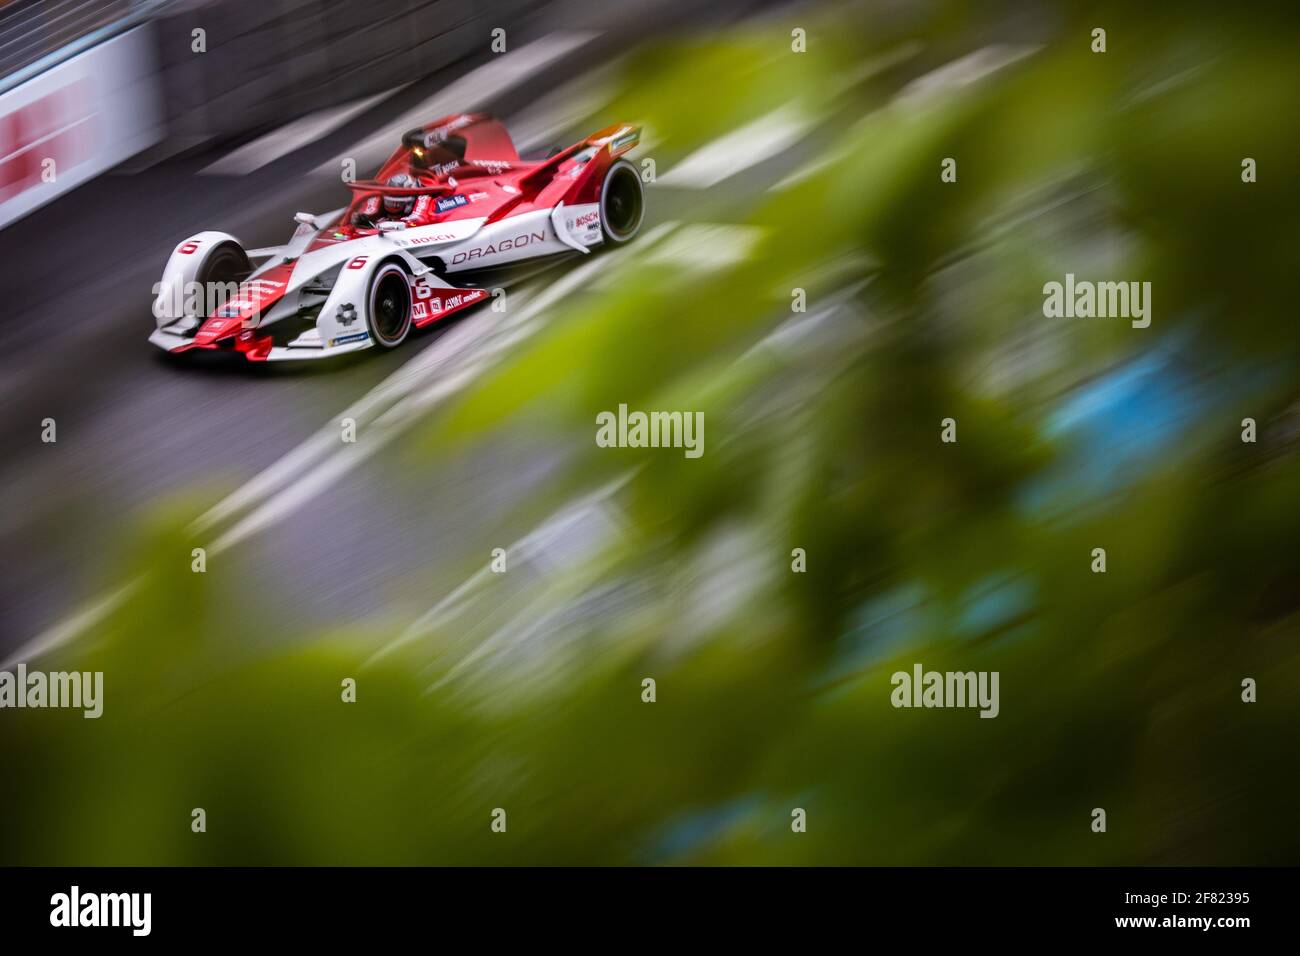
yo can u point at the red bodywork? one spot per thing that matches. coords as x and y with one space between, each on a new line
489 165
467 168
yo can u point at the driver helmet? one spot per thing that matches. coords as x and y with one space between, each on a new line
400 206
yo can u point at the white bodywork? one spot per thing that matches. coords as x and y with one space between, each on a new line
342 324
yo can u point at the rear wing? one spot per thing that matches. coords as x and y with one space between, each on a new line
618 139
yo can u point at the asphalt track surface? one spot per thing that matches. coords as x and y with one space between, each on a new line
135 427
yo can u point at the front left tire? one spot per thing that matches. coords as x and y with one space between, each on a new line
389 313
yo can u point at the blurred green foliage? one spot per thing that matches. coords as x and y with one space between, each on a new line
1119 691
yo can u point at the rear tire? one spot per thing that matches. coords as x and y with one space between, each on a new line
388 312
622 205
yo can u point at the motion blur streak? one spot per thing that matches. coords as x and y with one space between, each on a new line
852 248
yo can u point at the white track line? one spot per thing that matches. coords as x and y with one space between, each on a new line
791 338
918 94
471 354
286 486
292 136
526 548
740 149
68 629
960 73
478 336
441 370
778 130
539 125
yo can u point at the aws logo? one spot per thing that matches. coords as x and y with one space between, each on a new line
491 249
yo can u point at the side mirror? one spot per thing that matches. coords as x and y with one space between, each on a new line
389 225
306 219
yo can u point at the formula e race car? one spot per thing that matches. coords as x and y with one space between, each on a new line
450 209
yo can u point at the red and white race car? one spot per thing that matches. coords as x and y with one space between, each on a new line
451 208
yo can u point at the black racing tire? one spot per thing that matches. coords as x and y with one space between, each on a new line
388 306
226 263
622 204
